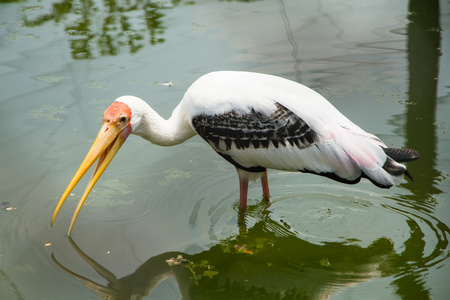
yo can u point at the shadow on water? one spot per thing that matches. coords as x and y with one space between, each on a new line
424 37
266 260
104 27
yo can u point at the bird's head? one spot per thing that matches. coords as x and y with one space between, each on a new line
118 122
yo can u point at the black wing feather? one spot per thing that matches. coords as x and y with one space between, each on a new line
254 129
401 155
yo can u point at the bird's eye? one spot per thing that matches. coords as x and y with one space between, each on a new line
123 119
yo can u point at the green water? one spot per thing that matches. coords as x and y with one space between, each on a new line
163 223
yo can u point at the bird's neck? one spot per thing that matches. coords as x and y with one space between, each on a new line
160 131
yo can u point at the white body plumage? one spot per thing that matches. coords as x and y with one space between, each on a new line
340 149
255 122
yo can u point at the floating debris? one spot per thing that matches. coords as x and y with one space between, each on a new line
48 244
51 78
100 85
325 262
167 83
32 8
176 261
107 192
48 111
27 268
7 206
243 249
173 174
198 270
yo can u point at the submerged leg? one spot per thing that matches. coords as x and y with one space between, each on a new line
265 185
244 177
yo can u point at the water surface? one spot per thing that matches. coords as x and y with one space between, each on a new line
163 223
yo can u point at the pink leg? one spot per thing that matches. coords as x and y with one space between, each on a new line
243 189
265 185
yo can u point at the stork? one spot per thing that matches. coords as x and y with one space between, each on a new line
256 122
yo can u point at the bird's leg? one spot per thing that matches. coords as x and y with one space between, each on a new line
243 191
265 185
243 188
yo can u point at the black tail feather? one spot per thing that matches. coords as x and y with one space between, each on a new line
393 168
401 155
407 174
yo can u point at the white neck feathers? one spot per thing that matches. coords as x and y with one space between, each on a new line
148 124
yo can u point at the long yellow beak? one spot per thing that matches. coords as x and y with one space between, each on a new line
106 145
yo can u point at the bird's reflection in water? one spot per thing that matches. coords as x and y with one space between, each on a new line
266 261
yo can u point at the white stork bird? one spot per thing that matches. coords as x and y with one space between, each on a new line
256 122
